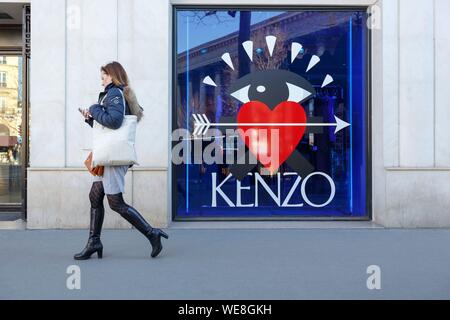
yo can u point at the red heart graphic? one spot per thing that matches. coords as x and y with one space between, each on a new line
258 138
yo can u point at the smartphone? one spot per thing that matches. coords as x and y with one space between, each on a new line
81 111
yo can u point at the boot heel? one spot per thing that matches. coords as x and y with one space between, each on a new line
100 253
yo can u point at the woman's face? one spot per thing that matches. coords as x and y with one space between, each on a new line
106 79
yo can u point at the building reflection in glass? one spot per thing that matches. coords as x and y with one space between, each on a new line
10 129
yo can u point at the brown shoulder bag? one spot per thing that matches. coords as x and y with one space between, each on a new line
96 171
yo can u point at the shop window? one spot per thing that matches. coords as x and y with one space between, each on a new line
3 79
2 104
302 72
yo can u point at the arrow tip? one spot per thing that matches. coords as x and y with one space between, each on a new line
340 124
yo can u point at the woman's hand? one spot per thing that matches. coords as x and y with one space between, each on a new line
85 113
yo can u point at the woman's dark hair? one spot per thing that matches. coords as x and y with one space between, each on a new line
116 72
120 78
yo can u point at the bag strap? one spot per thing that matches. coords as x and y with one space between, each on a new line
124 103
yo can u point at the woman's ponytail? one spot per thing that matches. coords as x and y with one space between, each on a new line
133 104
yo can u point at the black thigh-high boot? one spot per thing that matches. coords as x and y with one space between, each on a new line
96 196
130 214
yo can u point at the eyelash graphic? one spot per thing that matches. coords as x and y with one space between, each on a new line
285 85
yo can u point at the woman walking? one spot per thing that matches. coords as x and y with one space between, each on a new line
109 112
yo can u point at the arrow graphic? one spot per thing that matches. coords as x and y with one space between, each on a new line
202 124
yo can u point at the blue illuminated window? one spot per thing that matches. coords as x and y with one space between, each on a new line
316 58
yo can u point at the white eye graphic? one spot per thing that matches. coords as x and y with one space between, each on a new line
242 94
297 94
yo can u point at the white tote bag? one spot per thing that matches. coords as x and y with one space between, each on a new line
114 147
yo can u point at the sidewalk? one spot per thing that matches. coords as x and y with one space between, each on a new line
229 264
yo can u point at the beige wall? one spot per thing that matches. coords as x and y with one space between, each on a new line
411 147
416 144
95 33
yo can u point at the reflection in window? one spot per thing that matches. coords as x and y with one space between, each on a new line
3 82
10 129
2 104
338 40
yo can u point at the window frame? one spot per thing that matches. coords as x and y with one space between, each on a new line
368 97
